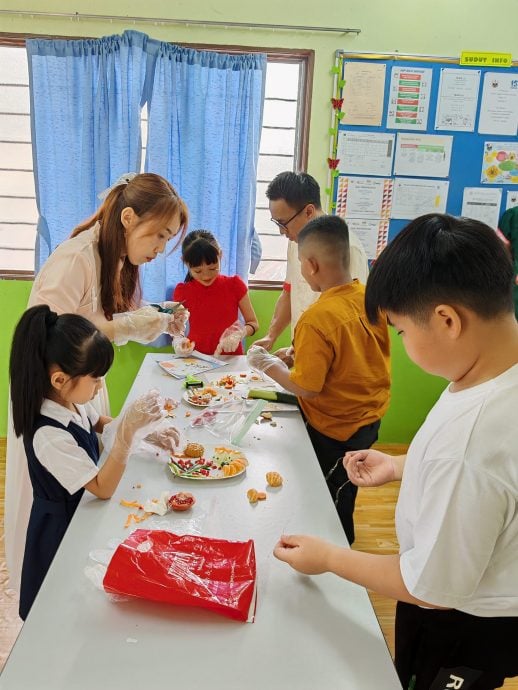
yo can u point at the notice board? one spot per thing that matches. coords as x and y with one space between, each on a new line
416 134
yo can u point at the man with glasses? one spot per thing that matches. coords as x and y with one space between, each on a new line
294 200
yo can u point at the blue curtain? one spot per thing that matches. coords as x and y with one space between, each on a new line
205 117
86 99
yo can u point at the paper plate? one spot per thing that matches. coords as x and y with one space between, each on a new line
237 379
211 400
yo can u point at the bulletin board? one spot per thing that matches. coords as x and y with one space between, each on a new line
418 134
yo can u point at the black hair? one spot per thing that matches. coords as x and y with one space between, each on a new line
297 189
41 339
438 259
199 247
332 233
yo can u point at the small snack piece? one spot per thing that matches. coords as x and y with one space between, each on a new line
181 501
252 495
194 450
227 382
170 405
130 504
266 415
211 391
234 467
183 346
261 496
273 479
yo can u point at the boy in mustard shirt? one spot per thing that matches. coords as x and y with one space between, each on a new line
341 371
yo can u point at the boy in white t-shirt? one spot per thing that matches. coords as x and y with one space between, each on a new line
445 284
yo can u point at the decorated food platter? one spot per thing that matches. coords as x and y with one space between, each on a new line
208 463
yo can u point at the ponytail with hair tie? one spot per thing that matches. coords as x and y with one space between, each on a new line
50 318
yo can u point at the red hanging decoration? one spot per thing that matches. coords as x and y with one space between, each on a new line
333 163
337 103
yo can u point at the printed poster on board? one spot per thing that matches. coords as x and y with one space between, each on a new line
483 204
457 99
499 104
500 162
409 98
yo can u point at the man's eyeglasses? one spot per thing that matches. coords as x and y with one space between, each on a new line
284 226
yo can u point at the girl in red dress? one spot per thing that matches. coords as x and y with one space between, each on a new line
214 301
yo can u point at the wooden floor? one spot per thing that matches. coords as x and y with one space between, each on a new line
374 521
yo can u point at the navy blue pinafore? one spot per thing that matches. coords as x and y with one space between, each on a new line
51 513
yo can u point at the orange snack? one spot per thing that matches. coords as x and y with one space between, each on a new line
194 450
130 504
273 479
261 496
252 495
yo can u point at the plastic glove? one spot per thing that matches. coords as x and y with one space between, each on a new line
260 359
286 355
135 420
167 438
230 338
142 325
178 319
183 346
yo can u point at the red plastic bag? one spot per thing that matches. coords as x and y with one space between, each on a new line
186 570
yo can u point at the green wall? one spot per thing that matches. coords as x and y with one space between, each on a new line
413 392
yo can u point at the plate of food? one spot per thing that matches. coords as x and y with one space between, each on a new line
208 464
241 379
203 397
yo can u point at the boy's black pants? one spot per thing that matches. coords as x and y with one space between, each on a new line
439 650
330 452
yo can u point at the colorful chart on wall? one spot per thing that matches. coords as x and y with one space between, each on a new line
435 137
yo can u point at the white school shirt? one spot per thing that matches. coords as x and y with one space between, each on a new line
457 512
68 282
301 295
57 449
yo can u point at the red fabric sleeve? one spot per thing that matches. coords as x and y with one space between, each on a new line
178 293
239 287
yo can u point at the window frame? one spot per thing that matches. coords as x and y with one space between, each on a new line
304 57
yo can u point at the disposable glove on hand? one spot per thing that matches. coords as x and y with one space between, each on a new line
230 338
286 355
142 325
260 359
178 319
135 420
167 438
183 346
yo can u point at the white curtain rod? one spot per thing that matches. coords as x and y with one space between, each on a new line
167 20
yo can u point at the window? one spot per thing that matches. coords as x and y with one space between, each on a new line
283 147
280 150
18 213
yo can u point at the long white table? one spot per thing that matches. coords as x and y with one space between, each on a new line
309 633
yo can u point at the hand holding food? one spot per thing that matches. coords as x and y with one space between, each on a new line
183 346
142 412
261 360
